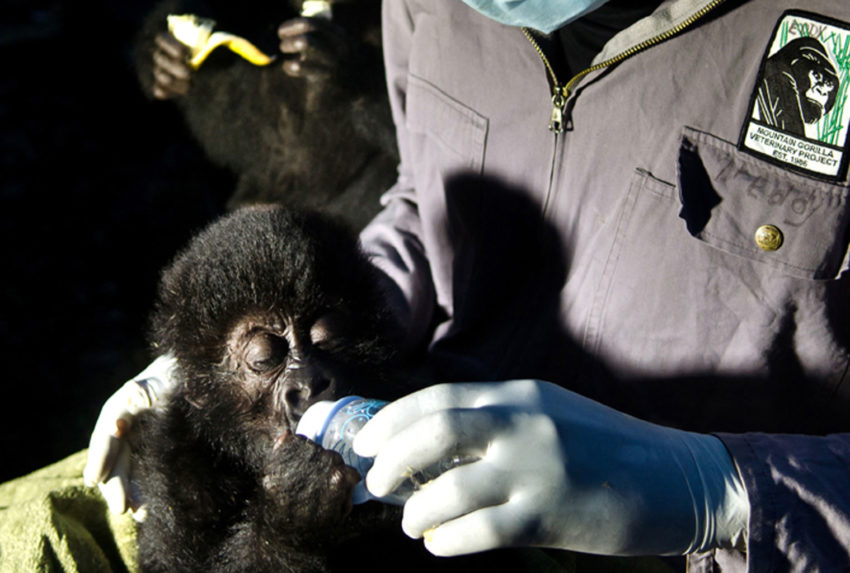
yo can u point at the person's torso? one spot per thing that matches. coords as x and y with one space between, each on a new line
620 256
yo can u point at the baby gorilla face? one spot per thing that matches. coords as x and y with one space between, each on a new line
269 311
275 366
286 362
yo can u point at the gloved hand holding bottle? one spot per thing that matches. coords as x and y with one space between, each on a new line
108 463
552 469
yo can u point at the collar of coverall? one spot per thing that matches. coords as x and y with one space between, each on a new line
667 17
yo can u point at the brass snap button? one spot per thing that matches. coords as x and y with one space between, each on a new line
769 237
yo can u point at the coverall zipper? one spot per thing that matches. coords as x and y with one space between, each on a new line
561 92
556 119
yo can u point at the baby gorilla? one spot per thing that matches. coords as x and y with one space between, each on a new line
267 311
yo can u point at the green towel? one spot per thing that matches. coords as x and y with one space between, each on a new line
50 521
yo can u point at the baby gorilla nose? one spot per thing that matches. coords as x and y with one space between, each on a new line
303 386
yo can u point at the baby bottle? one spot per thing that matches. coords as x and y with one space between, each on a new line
333 426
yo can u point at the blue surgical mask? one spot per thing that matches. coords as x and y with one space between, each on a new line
543 15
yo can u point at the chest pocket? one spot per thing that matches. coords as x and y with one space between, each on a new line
688 286
794 224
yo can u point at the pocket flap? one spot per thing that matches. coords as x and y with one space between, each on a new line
455 126
747 207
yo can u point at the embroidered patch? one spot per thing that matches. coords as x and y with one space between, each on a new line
800 113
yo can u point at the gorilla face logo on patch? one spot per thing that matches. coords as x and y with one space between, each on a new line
820 93
799 117
799 86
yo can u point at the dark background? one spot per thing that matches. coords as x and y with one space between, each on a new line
99 188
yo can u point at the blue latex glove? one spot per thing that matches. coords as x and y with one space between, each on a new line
108 463
553 469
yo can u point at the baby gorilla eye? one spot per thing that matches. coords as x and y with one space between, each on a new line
328 329
265 352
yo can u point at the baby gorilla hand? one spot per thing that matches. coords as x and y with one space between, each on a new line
308 485
314 47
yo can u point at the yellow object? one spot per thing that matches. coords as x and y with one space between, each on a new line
197 34
769 237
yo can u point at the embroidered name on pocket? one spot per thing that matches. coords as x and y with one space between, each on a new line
800 112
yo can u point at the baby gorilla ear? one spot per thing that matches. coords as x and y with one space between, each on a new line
194 396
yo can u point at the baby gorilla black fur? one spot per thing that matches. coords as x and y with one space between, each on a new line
267 311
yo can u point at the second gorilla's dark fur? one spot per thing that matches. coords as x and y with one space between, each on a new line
322 141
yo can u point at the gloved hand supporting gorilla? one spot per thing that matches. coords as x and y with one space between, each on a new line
552 469
108 463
